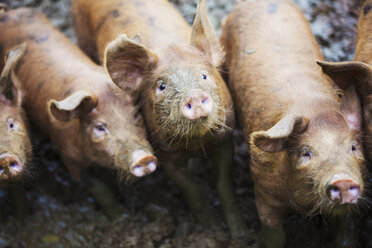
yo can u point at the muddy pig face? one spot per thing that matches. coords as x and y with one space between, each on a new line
15 145
111 132
324 154
180 89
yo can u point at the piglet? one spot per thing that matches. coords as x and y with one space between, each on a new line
72 100
151 51
304 141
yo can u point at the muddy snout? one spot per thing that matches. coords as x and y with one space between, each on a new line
143 163
343 189
10 165
196 104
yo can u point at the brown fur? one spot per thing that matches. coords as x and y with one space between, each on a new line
54 69
271 56
168 38
157 48
14 134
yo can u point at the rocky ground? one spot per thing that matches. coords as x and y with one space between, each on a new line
64 215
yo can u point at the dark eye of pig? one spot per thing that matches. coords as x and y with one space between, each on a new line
204 76
100 127
162 87
10 123
353 148
306 154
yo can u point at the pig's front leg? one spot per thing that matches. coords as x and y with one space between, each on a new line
344 229
222 157
271 214
19 199
180 176
101 193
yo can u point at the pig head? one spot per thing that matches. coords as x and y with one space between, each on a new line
15 145
322 164
183 97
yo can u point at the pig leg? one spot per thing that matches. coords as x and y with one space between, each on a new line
104 196
195 200
98 190
270 213
19 199
222 157
344 229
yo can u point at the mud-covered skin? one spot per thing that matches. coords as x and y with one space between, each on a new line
303 140
168 61
72 100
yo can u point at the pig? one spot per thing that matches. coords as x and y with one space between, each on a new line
73 101
304 140
15 144
151 51
358 72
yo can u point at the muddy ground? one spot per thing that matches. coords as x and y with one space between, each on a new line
62 214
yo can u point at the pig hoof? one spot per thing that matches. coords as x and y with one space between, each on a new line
144 164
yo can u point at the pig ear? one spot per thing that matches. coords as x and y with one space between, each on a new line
127 62
345 74
10 86
273 140
351 109
204 37
74 106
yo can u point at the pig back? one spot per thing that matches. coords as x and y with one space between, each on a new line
271 56
51 65
363 50
157 22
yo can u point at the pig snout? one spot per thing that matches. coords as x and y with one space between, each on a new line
345 190
143 163
9 164
196 104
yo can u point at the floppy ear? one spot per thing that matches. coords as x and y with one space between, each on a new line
74 106
204 37
273 140
350 107
127 61
10 86
345 74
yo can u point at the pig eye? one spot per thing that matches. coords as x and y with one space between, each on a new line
100 127
204 76
11 124
354 148
99 132
306 154
162 87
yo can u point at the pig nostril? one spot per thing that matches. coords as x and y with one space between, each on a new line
205 100
188 106
13 164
